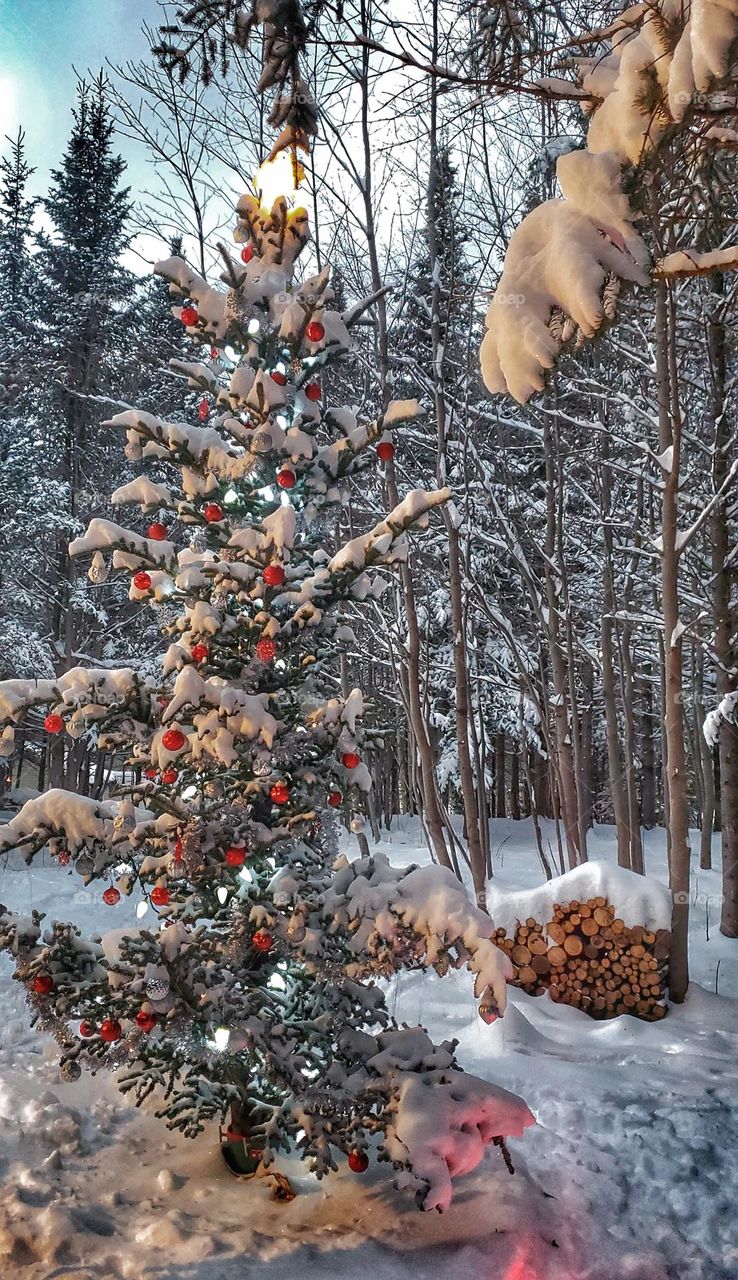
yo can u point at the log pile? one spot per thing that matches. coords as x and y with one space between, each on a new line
587 957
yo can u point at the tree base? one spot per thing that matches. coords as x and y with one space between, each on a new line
245 1162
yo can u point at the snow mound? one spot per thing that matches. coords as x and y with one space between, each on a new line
637 899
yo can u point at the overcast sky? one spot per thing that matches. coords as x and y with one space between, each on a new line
41 44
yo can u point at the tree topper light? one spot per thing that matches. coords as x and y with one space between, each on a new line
278 178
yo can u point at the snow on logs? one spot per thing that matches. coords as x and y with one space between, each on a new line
591 952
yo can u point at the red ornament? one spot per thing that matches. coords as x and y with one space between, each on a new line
203 409
151 772
156 531
286 478
313 391
110 1030
189 316
169 775
142 580
278 377
335 799
212 512
235 857
315 331
273 575
64 858
266 649
145 1020
160 895
86 1029
111 896
199 652
247 253
358 1161
42 984
279 793
350 760
385 451
53 723
262 940
173 740
214 353
178 851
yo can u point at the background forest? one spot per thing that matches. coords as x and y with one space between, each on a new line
517 667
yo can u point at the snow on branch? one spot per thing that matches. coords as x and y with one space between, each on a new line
441 1119
383 544
690 262
426 909
559 260
80 820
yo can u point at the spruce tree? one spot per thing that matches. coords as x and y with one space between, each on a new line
248 988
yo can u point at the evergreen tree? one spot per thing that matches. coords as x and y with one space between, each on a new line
251 991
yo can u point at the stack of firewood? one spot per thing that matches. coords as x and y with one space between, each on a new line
586 956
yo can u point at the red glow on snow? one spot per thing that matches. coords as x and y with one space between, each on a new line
520 1266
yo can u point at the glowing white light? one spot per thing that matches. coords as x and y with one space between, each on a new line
189 793
230 496
230 353
221 893
141 909
252 326
280 664
220 1039
275 178
245 875
277 983
281 421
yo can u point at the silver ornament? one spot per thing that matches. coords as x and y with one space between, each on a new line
157 988
70 1071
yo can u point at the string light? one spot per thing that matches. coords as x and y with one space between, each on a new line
220 1039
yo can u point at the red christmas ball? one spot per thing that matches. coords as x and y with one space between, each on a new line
142 580
42 984
212 512
262 940
350 760
203 409
214 353
173 739
358 1161
110 1030
313 391
169 776
151 772
159 895
385 451
189 316
199 652
111 896
156 531
315 331
273 575
266 650
335 799
86 1029
247 253
286 478
145 1020
53 723
279 793
235 857
278 377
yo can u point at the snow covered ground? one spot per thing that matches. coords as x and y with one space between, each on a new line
630 1174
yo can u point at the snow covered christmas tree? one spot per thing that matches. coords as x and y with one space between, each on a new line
247 990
